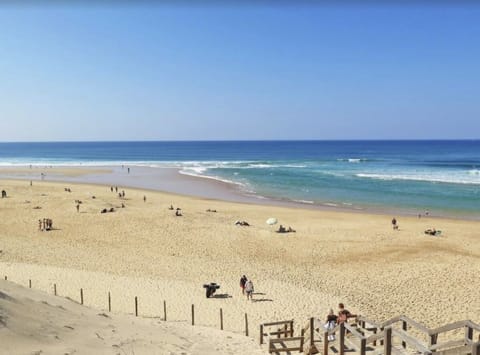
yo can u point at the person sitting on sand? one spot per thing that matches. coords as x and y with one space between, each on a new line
242 223
344 314
4 194
111 209
432 231
171 208
103 211
281 229
291 230
177 212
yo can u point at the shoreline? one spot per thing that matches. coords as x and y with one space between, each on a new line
172 180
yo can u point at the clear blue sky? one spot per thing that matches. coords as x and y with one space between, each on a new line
158 72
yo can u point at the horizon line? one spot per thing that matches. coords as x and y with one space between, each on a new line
252 140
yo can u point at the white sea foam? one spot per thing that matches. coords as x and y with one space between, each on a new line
304 201
353 160
451 178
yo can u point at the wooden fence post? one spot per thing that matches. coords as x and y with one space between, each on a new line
109 302
261 334
29 283
476 348
221 319
363 346
246 325
164 310
312 331
136 306
81 296
291 328
193 314
468 333
325 343
387 344
342 338
404 328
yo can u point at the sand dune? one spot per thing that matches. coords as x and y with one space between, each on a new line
32 322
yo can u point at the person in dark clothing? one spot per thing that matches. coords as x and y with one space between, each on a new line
243 281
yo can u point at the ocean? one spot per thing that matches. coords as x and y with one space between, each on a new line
411 176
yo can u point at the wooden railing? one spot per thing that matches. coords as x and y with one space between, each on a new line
386 333
279 339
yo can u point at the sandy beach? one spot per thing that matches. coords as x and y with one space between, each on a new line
144 250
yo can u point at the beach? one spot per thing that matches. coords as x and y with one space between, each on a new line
143 250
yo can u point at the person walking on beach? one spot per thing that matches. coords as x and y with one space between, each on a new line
144 198
78 207
243 280
249 289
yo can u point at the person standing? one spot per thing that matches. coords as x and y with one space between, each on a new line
249 289
243 280
394 224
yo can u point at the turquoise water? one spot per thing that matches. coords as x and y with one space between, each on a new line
441 176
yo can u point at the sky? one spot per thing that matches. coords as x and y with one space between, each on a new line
159 71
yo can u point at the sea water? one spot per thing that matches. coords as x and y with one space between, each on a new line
441 176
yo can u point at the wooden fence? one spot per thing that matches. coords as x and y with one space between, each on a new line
136 306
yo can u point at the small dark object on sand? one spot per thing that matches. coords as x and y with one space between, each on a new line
211 288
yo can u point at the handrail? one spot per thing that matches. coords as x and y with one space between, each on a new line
472 325
354 331
411 341
449 327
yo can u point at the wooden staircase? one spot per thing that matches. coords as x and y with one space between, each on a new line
398 335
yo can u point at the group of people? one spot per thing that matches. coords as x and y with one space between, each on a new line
333 319
45 224
247 287
177 210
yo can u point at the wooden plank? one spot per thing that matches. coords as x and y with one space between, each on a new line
261 334
282 340
354 331
448 327
278 332
416 325
246 325
472 325
417 345
448 344
277 323
461 350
